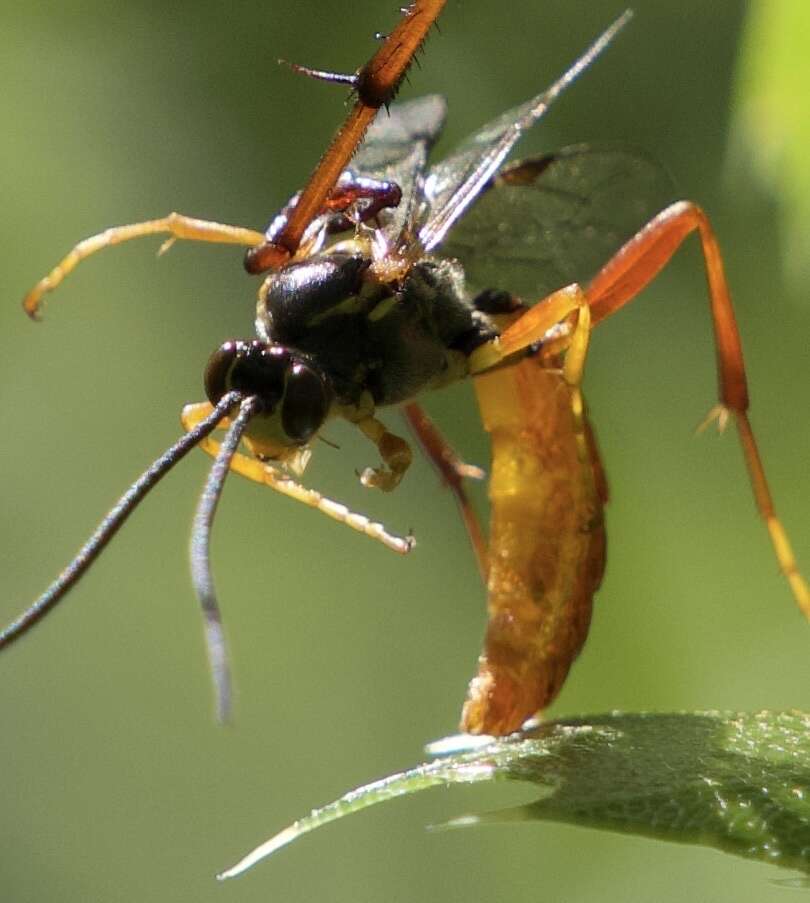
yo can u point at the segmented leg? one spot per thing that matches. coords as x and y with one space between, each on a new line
628 272
375 85
394 451
531 327
265 474
619 281
176 225
453 471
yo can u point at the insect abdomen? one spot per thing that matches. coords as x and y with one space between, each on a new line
546 548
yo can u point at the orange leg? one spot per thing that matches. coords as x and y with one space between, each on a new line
375 85
634 266
531 327
175 225
452 471
628 272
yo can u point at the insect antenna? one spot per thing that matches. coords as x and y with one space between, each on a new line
114 520
200 549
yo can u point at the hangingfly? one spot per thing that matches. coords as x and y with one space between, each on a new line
404 277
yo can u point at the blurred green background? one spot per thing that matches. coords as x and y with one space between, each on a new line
116 783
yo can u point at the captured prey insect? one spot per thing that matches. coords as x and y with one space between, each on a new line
360 312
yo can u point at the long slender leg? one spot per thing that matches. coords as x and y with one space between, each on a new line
641 259
176 225
573 368
266 475
453 471
628 272
375 84
619 281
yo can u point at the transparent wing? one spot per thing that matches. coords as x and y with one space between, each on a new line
545 222
396 148
390 142
454 183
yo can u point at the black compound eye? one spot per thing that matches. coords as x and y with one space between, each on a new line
306 403
252 368
218 370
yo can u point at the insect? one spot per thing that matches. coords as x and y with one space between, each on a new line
370 302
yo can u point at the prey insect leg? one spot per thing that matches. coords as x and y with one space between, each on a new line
628 272
176 225
453 471
267 475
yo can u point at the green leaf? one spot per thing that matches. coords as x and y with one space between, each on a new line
740 783
772 124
